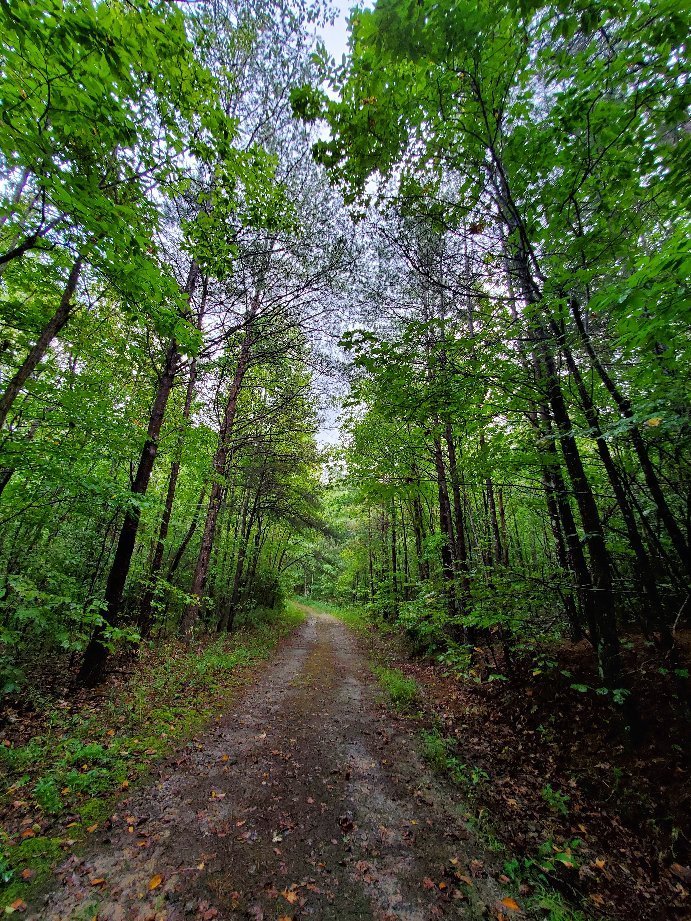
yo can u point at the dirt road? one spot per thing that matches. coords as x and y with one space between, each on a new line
305 801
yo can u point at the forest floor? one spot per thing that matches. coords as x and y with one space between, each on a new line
307 799
549 777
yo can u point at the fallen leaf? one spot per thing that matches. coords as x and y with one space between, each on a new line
290 896
600 863
17 905
510 903
681 872
155 882
97 881
92 828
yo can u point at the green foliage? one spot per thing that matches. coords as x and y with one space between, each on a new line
403 692
557 801
439 751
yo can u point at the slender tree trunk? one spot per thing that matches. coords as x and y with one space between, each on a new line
96 653
145 619
40 347
461 549
406 563
504 530
643 573
189 534
240 568
220 463
445 527
394 559
238 538
419 532
600 612
370 558
625 408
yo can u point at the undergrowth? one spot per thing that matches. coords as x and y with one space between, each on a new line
403 692
60 785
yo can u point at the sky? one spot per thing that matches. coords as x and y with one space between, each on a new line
336 36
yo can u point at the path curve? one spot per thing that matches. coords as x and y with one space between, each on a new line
305 801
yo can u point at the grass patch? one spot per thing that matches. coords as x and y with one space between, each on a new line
403 692
70 772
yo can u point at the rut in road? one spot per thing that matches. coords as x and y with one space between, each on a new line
305 801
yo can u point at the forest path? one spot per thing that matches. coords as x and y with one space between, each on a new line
305 801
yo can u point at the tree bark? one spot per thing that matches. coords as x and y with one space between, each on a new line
145 619
40 347
626 410
96 653
218 485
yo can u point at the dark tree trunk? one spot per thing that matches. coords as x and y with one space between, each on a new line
419 532
394 558
643 573
218 485
40 347
460 546
625 408
145 619
96 653
189 534
445 527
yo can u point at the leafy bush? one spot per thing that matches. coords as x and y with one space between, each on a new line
425 621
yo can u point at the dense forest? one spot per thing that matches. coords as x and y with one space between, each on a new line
464 246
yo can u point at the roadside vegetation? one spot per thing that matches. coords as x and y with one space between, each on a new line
66 765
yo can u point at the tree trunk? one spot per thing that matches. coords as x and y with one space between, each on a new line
220 463
96 653
625 408
445 527
40 347
643 573
145 619
460 546
394 559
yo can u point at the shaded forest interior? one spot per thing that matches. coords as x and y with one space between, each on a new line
468 240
